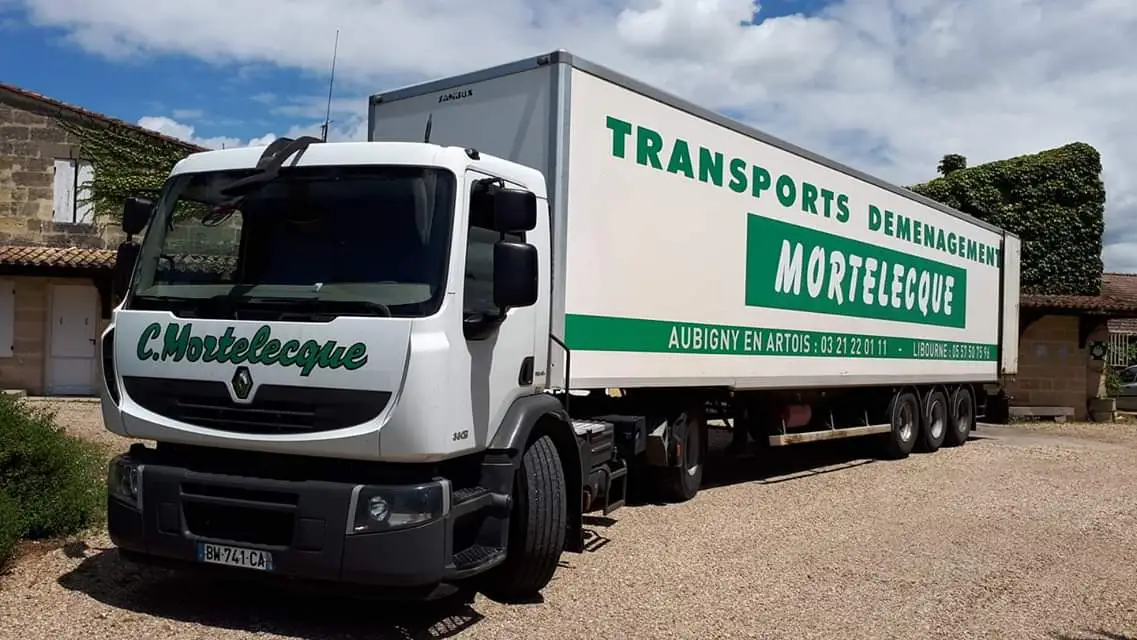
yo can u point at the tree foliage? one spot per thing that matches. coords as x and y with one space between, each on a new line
1054 201
127 163
950 163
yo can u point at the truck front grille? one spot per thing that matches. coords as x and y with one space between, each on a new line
276 409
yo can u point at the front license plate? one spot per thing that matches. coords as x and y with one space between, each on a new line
234 556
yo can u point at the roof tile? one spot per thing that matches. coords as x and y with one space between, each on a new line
1118 295
66 257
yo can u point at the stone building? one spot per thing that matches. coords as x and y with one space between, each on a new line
56 256
1058 373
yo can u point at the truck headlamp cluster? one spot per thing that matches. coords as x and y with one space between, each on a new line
384 508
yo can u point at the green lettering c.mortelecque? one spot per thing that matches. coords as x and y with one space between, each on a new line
178 343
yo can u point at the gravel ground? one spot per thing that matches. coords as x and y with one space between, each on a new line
1026 532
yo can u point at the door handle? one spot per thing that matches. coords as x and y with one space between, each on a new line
93 340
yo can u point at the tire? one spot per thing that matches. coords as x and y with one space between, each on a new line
961 417
935 423
681 483
536 529
904 414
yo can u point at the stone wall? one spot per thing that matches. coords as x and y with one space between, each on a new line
29 144
1053 371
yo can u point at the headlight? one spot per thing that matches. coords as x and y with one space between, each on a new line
376 508
124 481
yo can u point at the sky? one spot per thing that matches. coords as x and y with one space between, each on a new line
886 86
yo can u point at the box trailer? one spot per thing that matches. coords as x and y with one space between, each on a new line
416 362
691 250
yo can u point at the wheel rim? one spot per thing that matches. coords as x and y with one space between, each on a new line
939 420
907 422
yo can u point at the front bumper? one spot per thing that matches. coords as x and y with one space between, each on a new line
304 525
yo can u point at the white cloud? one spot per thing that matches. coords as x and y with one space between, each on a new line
886 86
187 132
348 122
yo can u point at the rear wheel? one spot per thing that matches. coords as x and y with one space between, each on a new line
961 417
682 481
935 422
904 414
537 526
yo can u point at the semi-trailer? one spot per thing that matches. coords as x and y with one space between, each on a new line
418 361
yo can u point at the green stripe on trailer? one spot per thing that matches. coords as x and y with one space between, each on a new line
605 333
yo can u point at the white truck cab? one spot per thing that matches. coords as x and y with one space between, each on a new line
317 335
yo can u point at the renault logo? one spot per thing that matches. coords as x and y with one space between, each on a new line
242 382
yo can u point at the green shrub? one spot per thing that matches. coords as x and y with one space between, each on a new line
11 527
1054 201
55 480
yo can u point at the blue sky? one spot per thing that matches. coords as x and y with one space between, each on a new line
887 86
230 100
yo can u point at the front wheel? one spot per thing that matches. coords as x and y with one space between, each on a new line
536 529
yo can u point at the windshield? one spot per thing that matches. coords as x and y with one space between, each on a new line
315 241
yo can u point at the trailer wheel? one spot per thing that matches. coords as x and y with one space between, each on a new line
937 418
536 528
904 414
682 481
961 418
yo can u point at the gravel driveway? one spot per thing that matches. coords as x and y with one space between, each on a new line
1023 533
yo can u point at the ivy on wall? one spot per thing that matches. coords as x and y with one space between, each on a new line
1054 201
127 163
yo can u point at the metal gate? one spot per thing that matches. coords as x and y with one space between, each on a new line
1122 348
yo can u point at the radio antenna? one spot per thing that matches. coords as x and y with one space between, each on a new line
331 85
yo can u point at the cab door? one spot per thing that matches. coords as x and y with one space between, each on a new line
501 354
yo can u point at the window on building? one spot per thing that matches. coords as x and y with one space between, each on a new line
71 191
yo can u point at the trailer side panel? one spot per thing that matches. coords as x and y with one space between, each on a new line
699 256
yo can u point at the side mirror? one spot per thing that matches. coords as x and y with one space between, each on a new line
514 274
135 215
124 262
514 211
503 210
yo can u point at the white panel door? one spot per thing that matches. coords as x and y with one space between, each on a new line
74 339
